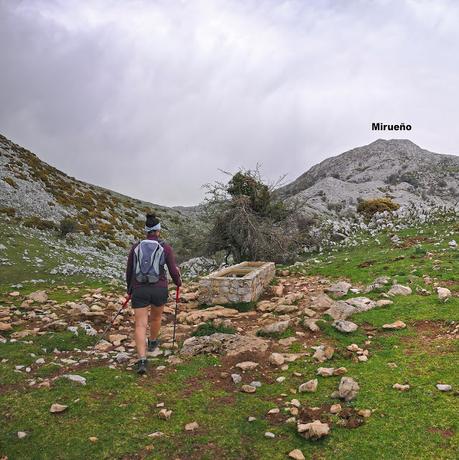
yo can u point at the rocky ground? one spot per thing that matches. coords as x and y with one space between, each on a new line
322 366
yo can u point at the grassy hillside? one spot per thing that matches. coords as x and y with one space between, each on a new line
116 413
36 195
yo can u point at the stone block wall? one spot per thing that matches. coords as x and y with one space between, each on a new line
243 282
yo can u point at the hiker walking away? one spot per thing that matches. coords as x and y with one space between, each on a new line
147 283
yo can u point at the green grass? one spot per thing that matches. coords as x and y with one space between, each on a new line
119 408
208 329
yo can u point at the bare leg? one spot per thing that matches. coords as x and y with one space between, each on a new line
141 322
155 321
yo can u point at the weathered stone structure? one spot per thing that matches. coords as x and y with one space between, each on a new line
243 282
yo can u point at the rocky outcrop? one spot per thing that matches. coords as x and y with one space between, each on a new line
223 344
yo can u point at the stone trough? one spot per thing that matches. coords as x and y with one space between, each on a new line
243 282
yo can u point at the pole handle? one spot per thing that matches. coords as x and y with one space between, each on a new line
177 294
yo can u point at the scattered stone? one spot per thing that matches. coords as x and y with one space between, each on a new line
339 289
362 358
285 309
335 408
248 389
287 341
38 296
383 302
270 435
274 411
398 289
57 408
325 371
255 384
247 365
353 347
366 413
40 361
236 378
311 324
400 387
75 378
5 327
443 387
116 339
276 359
22 434
275 328
309 386
396 325
443 293
348 389
156 434
93 438
296 454
191 426
344 326
323 353
103 345
340 371
122 357
280 379
165 414
251 419
314 430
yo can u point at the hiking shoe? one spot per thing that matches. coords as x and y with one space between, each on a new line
152 344
141 366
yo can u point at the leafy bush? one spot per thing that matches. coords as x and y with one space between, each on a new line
67 225
10 212
248 222
371 207
208 329
10 181
40 224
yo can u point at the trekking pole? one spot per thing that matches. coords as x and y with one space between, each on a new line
128 298
177 297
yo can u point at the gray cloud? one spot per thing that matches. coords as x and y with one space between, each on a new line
151 98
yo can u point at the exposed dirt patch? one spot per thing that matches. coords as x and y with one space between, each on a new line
448 433
366 263
414 240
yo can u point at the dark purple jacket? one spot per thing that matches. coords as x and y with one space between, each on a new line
131 282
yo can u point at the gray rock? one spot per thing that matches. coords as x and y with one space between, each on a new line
75 378
345 326
122 357
275 328
398 289
444 387
236 378
339 289
348 388
229 344
309 386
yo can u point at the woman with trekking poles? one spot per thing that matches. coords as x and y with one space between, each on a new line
146 281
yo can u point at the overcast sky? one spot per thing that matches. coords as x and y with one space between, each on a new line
152 97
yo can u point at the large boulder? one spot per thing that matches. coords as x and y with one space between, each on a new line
223 344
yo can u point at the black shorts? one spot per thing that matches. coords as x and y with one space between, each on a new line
143 296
